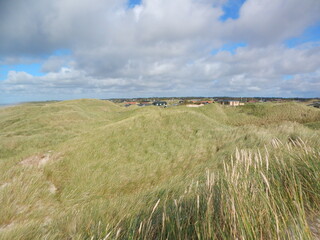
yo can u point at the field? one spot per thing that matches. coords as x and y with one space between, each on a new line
90 169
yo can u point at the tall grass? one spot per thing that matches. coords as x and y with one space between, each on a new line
256 196
151 173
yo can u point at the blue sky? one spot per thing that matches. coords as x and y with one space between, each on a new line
104 49
133 3
310 34
231 9
229 47
34 69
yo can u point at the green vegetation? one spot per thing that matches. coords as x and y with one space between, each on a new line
90 169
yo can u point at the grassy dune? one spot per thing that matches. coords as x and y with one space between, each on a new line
90 169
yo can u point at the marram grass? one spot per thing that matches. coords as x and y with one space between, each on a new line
255 196
90 169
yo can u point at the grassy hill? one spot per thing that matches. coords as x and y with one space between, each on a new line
90 169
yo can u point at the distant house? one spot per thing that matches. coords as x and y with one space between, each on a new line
201 102
230 102
128 104
158 103
206 102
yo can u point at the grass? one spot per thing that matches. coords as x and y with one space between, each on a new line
252 198
214 172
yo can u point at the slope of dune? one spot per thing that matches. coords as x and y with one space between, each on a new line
81 169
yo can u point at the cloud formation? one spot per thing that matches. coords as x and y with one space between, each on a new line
161 47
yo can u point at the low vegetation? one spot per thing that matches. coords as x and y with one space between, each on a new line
90 169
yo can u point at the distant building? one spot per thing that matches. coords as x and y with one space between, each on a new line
230 102
131 103
158 103
206 102
201 102
128 104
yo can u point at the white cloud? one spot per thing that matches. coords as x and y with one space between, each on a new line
55 63
157 46
251 71
265 22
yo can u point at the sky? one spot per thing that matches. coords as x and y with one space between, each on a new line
69 49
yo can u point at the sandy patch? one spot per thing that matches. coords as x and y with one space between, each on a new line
52 188
194 105
36 160
39 160
7 227
2 186
314 225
